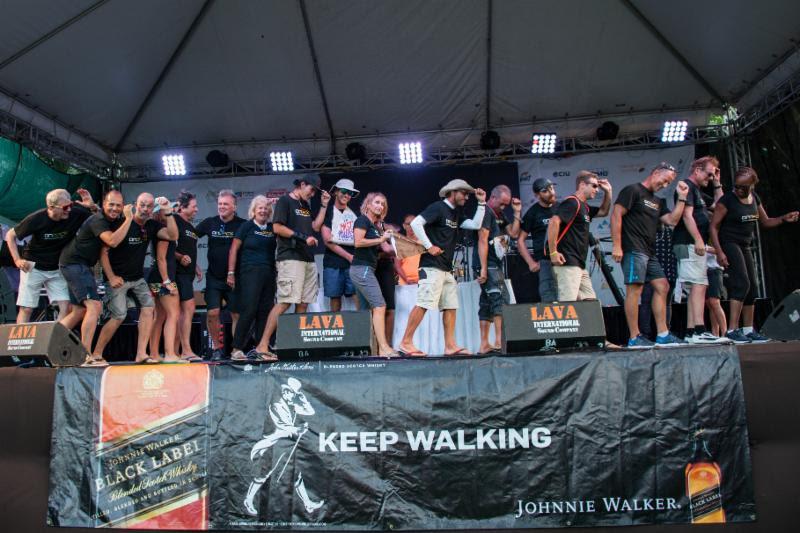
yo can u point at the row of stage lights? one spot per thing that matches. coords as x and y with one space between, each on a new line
410 153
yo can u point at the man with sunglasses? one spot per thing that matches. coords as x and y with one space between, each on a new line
689 245
437 230
50 230
337 234
568 236
634 224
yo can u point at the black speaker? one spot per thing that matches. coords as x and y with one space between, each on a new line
783 324
8 300
550 326
217 159
309 336
490 140
40 344
356 152
608 131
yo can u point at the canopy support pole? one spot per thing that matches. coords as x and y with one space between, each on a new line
318 76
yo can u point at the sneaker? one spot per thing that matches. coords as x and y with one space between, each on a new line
640 343
217 355
738 336
755 336
669 340
707 338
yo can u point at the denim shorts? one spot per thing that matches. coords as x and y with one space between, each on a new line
336 282
81 283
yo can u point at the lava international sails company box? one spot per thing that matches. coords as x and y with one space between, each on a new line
547 326
318 335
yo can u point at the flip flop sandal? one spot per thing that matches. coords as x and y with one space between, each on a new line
461 351
238 355
415 353
94 362
147 361
268 357
192 359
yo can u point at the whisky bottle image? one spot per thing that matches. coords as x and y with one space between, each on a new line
703 482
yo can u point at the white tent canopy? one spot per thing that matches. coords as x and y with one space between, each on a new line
133 77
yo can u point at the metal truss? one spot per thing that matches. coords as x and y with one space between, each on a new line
455 156
50 145
771 105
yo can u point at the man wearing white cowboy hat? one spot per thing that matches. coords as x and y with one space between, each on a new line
437 230
337 234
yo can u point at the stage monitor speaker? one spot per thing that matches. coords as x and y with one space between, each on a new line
550 326
40 344
309 336
783 324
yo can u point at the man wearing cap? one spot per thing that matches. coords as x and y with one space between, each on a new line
568 236
298 281
337 234
123 267
50 230
534 223
487 260
220 231
437 228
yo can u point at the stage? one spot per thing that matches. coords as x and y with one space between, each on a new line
770 375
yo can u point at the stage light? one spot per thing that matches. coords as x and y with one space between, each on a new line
543 143
674 131
173 164
281 161
410 153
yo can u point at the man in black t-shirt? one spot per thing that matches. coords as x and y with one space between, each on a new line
437 229
634 223
123 268
337 234
534 224
50 230
220 231
107 228
568 236
298 280
689 245
487 261
186 270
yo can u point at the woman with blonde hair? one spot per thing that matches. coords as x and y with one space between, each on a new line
253 254
369 240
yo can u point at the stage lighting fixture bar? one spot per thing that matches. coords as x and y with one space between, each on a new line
674 131
174 164
410 153
281 161
543 143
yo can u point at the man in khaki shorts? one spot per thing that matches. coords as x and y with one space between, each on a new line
568 236
437 228
298 281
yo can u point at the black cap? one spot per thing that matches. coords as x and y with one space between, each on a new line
541 184
311 180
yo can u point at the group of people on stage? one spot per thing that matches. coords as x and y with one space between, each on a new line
261 266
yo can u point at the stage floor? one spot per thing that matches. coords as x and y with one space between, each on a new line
770 373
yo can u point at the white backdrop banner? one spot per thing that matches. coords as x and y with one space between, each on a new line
206 191
621 168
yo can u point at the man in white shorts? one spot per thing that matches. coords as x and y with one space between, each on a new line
50 230
437 230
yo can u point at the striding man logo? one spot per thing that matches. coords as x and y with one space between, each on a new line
283 439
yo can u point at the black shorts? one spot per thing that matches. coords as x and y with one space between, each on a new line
185 283
715 284
218 290
639 268
386 281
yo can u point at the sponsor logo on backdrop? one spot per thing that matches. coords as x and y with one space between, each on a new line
283 443
612 504
561 173
321 328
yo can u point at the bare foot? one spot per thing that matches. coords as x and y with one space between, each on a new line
171 358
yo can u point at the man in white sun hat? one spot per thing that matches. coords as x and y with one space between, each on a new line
437 230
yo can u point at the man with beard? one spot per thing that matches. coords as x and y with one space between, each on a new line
220 231
534 223
437 229
50 230
123 267
493 239
79 257
337 234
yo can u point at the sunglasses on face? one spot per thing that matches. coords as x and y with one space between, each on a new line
347 192
743 187
593 185
65 207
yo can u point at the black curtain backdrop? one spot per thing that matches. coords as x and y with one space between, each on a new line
410 190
